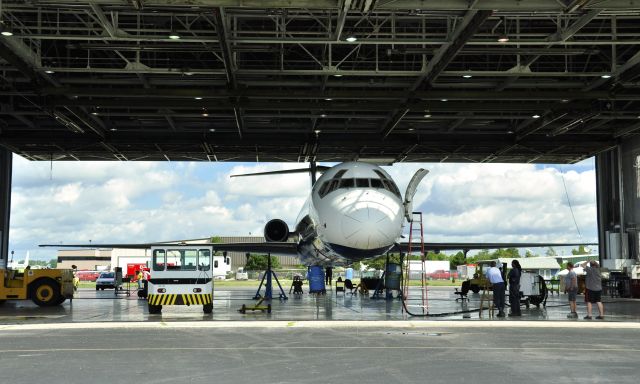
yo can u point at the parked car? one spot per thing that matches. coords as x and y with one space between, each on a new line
443 275
88 275
106 280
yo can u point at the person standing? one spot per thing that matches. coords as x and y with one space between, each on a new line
328 275
494 276
514 288
571 288
593 282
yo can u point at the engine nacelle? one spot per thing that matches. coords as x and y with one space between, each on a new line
276 230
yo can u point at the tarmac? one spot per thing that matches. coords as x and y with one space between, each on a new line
103 338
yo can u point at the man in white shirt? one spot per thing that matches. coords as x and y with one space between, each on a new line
494 276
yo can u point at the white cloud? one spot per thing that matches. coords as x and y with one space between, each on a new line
141 202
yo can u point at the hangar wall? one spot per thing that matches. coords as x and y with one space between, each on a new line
618 196
5 203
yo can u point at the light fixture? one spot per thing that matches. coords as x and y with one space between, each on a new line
351 39
94 113
317 131
503 39
48 71
337 75
114 129
606 76
323 115
444 99
174 35
467 76
536 116
212 129
565 100
638 116
204 112
411 129
187 73
328 99
510 132
427 115
4 30
198 98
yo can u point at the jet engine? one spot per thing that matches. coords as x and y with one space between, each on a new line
276 230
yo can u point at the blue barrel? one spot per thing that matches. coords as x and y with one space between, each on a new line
392 276
348 273
316 279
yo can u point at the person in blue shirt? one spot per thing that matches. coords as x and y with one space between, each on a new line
514 288
494 276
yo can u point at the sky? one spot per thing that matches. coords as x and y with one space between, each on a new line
131 202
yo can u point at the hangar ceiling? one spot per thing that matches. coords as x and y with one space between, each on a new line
326 80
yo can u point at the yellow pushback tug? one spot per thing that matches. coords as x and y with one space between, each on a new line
46 287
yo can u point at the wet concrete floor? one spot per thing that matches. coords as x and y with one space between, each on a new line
103 306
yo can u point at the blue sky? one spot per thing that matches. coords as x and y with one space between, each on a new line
75 202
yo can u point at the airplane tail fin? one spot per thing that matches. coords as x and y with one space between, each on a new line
312 170
411 191
319 168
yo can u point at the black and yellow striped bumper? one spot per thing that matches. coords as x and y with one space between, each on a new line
179 299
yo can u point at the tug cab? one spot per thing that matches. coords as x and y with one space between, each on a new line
45 287
181 275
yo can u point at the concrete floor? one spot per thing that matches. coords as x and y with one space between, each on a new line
103 306
100 338
159 354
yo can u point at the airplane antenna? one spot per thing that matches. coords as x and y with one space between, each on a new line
312 170
569 203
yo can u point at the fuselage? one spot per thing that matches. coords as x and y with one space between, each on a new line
355 212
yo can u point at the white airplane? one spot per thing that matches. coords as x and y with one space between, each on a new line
355 212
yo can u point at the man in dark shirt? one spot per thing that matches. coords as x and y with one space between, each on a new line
514 288
593 282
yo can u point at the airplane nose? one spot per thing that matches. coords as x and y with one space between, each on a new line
369 225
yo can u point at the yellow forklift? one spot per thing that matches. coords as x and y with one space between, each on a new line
46 287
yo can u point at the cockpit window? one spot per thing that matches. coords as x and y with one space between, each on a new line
362 183
346 183
376 183
337 182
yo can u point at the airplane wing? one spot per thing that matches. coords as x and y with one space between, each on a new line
274 248
437 247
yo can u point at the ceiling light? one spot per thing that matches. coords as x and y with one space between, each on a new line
323 115
317 131
427 115
467 76
204 112
638 116
444 99
198 98
351 39
510 132
212 129
174 36
187 73
536 116
49 71
337 75
503 39
411 129
114 129
565 100
606 76
328 99
94 113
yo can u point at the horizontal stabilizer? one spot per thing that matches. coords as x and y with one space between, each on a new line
319 168
437 247
273 248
